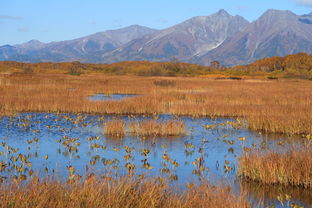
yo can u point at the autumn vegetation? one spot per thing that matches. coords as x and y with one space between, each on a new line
291 66
271 106
293 167
155 128
145 128
125 192
115 128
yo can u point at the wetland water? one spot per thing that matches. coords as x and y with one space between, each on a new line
111 97
52 142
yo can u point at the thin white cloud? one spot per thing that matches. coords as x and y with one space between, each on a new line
304 2
10 17
23 29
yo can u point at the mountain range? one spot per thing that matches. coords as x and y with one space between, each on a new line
231 40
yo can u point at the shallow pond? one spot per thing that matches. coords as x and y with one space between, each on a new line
53 142
110 97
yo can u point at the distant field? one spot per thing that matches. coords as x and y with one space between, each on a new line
272 106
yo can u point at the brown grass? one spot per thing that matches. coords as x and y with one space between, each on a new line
277 106
124 193
158 128
115 128
293 167
164 83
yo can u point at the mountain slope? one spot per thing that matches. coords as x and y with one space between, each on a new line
191 38
275 33
77 49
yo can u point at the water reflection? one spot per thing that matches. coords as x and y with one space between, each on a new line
110 97
268 194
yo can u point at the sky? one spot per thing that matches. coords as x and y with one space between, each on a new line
56 20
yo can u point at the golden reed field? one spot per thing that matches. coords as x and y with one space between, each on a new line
126 192
271 106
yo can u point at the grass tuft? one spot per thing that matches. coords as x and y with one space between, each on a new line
115 128
157 128
293 167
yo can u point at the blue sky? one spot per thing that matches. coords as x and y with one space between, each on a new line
55 20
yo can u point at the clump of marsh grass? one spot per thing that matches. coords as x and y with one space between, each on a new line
126 192
115 128
293 167
148 128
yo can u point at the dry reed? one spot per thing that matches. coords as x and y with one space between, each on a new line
158 128
124 193
293 167
115 128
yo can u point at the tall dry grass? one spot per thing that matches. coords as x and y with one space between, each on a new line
276 106
158 128
126 192
115 128
293 167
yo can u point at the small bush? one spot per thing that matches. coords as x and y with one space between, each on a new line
235 78
272 77
28 70
164 83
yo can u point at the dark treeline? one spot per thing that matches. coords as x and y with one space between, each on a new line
291 66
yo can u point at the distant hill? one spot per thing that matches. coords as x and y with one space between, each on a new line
84 49
291 66
231 40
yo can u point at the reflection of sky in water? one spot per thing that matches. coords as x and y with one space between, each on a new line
212 145
104 97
